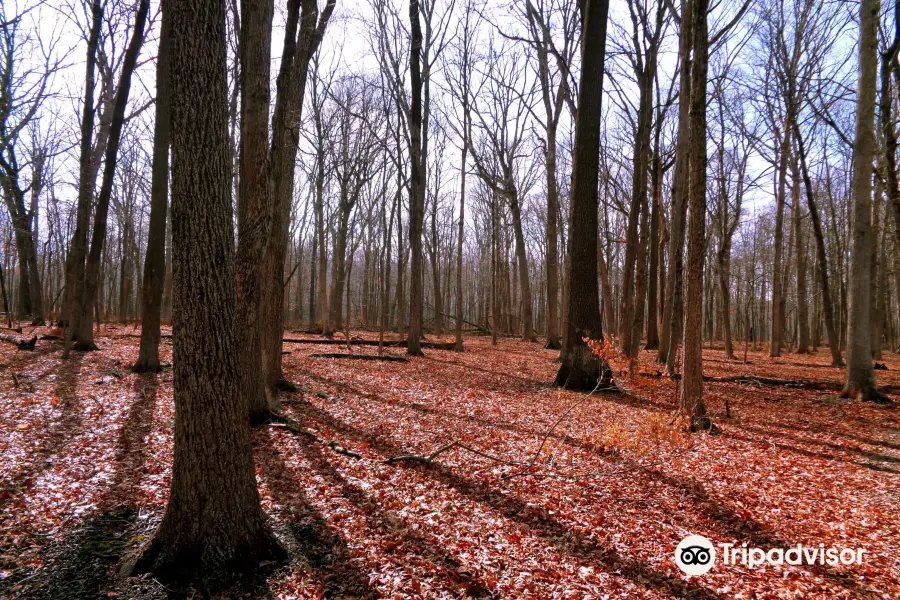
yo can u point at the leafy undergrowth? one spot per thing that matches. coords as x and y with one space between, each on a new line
588 499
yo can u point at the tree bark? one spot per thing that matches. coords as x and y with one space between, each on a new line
155 260
416 182
580 368
214 527
860 374
86 290
691 398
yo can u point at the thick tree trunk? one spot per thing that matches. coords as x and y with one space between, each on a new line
860 374
214 527
254 204
580 368
155 260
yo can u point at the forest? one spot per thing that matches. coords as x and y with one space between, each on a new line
449 299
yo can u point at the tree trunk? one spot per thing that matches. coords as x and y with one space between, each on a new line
155 260
691 399
580 368
78 246
670 335
416 182
802 298
254 203
85 291
214 527
860 374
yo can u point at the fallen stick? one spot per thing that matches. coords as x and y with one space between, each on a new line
454 444
385 358
295 427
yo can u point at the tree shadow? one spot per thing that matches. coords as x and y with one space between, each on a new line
81 564
741 528
538 522
131 445
310 537
53 439
392 527
811 453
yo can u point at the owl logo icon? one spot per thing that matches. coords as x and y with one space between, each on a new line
695 555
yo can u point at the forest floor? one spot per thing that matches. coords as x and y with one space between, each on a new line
596 511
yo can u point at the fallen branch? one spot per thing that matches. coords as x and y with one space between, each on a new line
295 427
20 344
454 444
386 358
387 344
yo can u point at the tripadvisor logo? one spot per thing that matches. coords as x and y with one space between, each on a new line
696 555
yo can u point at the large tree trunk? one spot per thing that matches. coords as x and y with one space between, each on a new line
655 263
691 399
290 89
86 290
860 374
214 527
338 262
155 260
254 203
580 368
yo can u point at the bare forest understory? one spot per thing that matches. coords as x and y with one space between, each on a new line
547 494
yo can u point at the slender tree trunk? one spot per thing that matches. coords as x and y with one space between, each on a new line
459 243
670 336
691 399
416 183
86 290
155 260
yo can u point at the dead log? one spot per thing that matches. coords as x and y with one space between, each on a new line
387 344
385 357
20 344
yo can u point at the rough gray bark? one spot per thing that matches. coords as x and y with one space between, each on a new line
860 374
214 528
